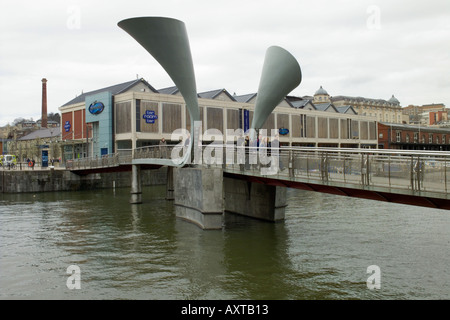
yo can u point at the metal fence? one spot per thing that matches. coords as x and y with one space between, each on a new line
121 157
398 169
109 160
157 152
408 170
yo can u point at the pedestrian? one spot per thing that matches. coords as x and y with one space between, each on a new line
275 148
163 148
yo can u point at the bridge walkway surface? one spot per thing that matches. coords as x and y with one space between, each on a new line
400 176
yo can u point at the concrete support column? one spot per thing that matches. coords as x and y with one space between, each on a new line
169 184
198 196
136 185
255 200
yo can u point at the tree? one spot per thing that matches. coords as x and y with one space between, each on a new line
18 121
54 117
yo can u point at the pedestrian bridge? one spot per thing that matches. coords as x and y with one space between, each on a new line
409 177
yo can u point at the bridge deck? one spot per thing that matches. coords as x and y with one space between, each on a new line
411 177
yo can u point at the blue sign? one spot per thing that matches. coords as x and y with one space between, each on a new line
150 116
44 158
96 107
246 120
67 126
283 131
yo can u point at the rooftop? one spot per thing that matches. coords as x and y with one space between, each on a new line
43 133
115 89
321 91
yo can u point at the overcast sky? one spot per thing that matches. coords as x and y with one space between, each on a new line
368 48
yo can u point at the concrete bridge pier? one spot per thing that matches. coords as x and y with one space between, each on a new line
136 184
255 200
201 196
198 196
169 184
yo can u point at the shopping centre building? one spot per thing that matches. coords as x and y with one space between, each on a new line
134 114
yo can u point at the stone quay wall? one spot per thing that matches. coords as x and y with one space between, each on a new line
16 181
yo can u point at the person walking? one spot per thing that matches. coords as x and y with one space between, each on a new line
163 148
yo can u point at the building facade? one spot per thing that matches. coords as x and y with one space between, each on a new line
429 114
411 137
378 109
134 114
87 120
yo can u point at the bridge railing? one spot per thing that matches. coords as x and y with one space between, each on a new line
397 169
155 152
122 157
109 160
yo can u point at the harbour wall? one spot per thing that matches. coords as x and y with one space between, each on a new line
16 181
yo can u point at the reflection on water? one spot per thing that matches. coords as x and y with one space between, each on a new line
125 251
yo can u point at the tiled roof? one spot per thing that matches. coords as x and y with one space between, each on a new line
325 106
300 103
43 133
169 90
214 93
344 109
115 89
245 98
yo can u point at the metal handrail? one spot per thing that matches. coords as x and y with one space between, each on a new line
412 170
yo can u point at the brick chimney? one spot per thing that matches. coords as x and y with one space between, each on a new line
44 104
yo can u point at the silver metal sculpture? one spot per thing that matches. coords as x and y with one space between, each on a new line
281 73
167 41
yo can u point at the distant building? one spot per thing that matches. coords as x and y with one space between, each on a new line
31 145
50 123
28 124
321 96
429 114
412 137
378 109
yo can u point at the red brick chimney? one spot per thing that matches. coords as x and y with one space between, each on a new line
44 104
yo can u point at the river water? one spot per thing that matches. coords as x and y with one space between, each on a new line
321 251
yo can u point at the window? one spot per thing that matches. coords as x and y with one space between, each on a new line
399 136
437 139
443 139
430 138
407 138
423 138
416 137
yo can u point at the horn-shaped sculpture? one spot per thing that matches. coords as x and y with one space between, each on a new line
167 41
280 75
